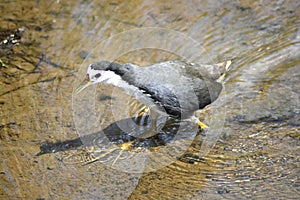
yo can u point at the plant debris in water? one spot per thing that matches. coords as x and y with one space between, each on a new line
9 39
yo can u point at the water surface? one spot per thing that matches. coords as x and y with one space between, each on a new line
251 150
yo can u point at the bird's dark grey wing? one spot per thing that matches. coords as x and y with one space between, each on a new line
206 79
174 91
195 70
164 97
207 91
159 83
214 71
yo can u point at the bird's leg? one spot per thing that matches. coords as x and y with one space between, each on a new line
144 110
154 122
142 115
138 112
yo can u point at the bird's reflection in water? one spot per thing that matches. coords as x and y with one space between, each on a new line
114 143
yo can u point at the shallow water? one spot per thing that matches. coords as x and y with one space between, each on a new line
47 134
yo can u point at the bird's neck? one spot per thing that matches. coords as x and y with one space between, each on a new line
131 90
110 77
116 80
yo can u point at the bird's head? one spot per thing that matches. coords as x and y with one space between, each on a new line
99 72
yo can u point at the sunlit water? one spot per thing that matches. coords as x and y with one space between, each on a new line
251 150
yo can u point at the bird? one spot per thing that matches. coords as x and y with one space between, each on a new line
172 88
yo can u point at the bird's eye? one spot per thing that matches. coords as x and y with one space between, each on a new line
97 75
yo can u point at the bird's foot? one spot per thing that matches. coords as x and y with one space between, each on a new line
124 147
202 125
127 146
196 120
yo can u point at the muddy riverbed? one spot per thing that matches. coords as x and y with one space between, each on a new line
58 145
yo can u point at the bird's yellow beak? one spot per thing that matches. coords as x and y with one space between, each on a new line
84 84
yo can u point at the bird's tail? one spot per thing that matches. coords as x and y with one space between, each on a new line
224 68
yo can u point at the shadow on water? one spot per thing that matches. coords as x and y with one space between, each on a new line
116 136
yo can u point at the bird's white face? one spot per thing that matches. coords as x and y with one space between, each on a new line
102 76
94 76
